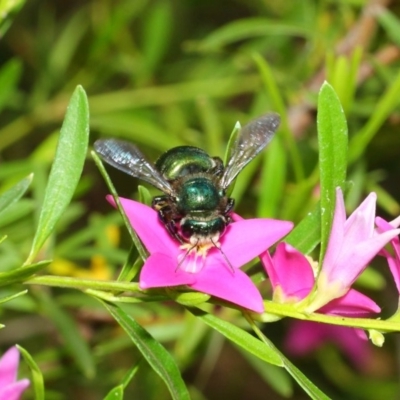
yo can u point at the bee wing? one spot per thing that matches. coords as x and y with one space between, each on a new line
251 139
127 158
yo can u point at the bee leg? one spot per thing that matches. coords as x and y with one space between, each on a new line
162 205
160 202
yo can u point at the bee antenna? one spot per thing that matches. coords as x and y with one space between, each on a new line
186 254
223 255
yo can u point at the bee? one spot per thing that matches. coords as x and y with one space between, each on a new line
195 208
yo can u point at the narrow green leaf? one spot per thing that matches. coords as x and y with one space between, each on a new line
144 195
8 10
155 354
131 267
277 378
74 342
157 27
273 176
9 76
383 108
300 378
303 381
239 337
278 103
307 234
20 274
66 170
135 238
15 193
12 296
390 23
248 28
116 393
37 376
333 142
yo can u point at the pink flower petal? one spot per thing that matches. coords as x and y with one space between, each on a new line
9 366
14 391
393 259
305 337
352 244
360 224
291 271
160 270
248 238
243 241
394 266
352 304
234 286
355 257
145 222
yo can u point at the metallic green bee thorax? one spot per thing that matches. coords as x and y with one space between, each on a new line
184 161
198 194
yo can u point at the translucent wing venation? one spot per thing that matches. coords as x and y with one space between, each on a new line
251 139
127 158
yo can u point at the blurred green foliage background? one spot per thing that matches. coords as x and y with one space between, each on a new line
162 73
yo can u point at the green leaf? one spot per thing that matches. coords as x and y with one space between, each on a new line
390 23
74 342
307 234
9 76
239 337
20 274
135 238
301 379
157 27
273 176
15 193
333 142
8 9
386 104
155 354
277 378
273 92
116 393
248 28
12 296
66 170
37 376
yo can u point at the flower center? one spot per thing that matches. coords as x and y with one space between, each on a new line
193 256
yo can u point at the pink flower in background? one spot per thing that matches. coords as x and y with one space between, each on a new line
292 278
393 257
10 388
353 242
210 273
304 337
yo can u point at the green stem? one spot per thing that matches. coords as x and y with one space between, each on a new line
77 283
288 310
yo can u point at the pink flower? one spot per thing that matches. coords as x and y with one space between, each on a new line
305 337
292 278
352 244
10 388
393 258
169 265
